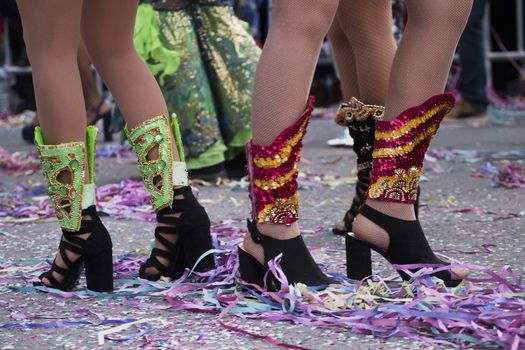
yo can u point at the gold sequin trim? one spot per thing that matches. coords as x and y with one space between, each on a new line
278 182
398 151
281 209
414 123
282 156
401 186
358 111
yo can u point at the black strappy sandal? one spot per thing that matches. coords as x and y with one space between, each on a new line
95 256
296 262
363 181
187 219
408 245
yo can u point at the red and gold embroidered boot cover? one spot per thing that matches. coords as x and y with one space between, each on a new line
400 147
273 173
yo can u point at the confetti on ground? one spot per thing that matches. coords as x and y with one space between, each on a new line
25 118
17 163
469 156
486 311
510 176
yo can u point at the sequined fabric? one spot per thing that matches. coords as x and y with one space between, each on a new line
360 119
355 110
400 147
150 136
210 91
273 173
66 197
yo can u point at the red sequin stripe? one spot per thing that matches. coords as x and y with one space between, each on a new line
395 177
409 114
269 196
435 120
273 173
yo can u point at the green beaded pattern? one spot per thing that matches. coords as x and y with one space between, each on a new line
178 137
66 198
154 134
91 137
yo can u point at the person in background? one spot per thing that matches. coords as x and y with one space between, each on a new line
471 53
250 12
204 60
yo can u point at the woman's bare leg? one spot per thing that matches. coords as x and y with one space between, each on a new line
108 38
283 79
419 71
345 61
89 85
52 36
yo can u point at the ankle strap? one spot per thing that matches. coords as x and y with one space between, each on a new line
382 220
256 235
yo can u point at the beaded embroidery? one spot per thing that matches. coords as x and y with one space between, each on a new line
273 173
399 149
66 197
355 110
160 173
156 173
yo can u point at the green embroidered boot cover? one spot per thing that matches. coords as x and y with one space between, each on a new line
152 143
69 172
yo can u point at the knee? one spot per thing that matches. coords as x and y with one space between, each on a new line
50 50
451 15
108 52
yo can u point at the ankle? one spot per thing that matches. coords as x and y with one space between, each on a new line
401 211
277 231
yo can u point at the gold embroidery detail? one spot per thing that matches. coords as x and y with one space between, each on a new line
398 151
279 210
278 182
358 111
401 186
412 124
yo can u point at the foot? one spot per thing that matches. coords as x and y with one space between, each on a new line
181 237
465 109
281 232
165 233
368 231
59 260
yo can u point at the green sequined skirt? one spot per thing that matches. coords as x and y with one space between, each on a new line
205 63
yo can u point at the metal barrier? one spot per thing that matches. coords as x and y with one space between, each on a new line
498 56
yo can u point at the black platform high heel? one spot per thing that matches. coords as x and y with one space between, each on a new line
96 257
408 245
178 211
296 262
399 151
273 172
69 172
187 219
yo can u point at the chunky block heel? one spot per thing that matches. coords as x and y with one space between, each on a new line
408 245
194 245
99 271
250 269
108 135
188 220
358 258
